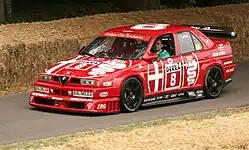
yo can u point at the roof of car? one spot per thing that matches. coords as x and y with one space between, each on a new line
149 29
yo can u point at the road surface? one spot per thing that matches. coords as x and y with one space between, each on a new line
19 122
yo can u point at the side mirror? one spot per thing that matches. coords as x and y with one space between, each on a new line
151 57
82 48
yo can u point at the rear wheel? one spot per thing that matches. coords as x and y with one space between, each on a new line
214 82
131 95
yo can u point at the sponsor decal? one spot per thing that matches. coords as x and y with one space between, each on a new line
221 51
101 106
230 70
81 99
89 105
57 98
127 35
173 67
108 66
97 66
75 63
83 65
199 93
31 98
173 95
207 28
166 96
178 95
159 97
228 62
171 75
107 83
62 64
170 60
155 77
192 70
215 54
149 99
103 94
40 94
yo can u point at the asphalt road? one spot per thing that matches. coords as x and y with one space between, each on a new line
19 122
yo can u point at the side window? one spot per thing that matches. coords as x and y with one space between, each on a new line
164 42
197 43
186 43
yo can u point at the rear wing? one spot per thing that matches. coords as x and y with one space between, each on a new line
216 31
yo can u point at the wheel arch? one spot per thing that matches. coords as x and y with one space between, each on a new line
206 67
206 93
137 76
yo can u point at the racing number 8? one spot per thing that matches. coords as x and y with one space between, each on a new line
173 79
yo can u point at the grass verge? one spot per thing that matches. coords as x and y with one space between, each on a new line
219 129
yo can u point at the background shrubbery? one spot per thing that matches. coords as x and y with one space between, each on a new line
42 10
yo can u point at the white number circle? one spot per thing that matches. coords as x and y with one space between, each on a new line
150 26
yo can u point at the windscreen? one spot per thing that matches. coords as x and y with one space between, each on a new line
116 47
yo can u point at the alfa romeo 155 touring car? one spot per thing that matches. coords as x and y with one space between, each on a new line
127 67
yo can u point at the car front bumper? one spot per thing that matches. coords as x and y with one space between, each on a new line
73 104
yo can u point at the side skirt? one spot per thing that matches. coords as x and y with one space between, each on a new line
177 97
173 97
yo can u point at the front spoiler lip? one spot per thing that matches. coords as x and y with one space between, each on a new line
90 104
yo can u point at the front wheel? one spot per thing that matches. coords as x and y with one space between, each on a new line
131 95
214 82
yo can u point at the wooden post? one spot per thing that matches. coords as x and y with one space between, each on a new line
5 10
8 9
2 11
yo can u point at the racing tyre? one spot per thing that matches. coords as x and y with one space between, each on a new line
214 82
131 96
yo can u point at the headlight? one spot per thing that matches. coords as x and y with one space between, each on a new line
41 89
89 82
46 77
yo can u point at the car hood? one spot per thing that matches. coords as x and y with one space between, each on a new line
86 66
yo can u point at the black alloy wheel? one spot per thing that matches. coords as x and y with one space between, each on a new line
214 82
131 95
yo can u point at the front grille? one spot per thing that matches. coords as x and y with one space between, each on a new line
75 80
44 101
76 105
50 102
56 78
72 80
60 92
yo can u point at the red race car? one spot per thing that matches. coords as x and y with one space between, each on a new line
127 67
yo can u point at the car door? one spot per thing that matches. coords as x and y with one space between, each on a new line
164 76
193 57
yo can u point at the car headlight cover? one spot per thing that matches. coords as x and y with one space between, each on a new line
46 77
89 82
